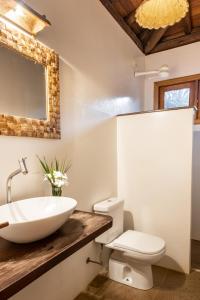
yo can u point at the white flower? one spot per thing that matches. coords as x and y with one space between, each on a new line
59 183
57 178
57 174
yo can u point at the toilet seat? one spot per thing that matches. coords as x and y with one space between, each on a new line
138 242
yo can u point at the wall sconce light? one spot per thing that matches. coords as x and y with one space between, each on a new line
17 12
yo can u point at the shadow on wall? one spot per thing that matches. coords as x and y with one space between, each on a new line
172 265
196 186
128 221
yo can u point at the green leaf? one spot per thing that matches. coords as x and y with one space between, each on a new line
57 164
42 164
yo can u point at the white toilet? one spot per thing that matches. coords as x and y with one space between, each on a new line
134 251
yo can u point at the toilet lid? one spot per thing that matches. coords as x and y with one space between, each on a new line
140 242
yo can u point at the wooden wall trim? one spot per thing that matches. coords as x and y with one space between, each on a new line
177 80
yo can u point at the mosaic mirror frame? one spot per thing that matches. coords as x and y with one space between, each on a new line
32 49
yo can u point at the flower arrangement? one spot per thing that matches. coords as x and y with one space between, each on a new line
56 173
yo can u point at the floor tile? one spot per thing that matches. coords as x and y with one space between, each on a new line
177 286
168 285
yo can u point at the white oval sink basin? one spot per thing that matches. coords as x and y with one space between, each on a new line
35 218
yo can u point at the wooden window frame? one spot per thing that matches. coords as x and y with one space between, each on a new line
192 81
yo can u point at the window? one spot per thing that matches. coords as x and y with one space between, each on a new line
178 92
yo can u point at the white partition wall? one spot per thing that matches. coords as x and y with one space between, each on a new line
154 178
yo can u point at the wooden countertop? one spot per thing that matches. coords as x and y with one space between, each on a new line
22 264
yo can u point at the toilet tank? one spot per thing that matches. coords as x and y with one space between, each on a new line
114 208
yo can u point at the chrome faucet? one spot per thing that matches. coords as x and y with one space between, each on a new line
22 169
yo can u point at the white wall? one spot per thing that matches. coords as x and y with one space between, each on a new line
96 80
182 61
154 178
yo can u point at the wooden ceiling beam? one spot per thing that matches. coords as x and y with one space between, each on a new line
130 18
154 39
131 21
122 23
187 23
177 42
145 35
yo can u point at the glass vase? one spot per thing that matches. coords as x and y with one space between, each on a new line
56 191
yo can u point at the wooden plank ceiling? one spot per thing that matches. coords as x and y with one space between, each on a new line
185 32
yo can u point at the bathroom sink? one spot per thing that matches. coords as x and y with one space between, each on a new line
35 218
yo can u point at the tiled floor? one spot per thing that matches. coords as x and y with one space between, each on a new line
168 285
195 254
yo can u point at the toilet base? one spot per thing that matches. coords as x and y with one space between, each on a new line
133 274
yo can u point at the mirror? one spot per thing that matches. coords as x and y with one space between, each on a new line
22 86
29 86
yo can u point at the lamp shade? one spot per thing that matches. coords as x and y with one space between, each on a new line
155 14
